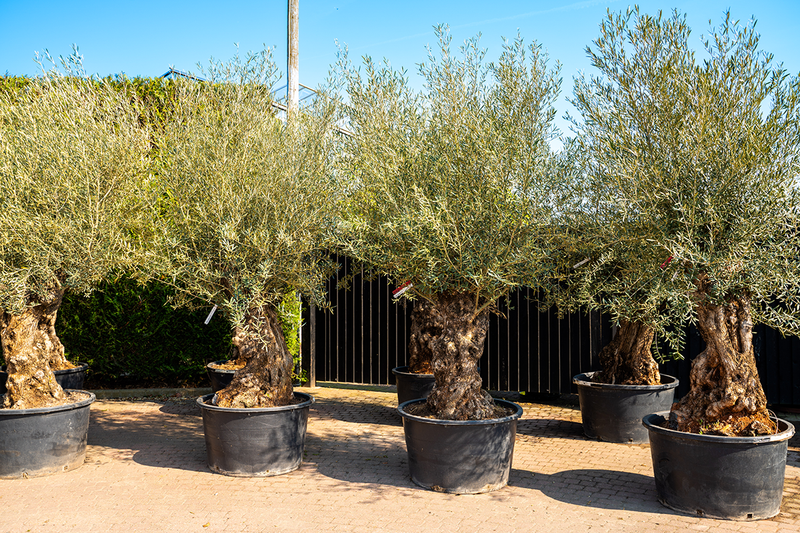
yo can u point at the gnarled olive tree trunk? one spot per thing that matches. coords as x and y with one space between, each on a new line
425 329
32 351
726 396
457 394
266 378
627 359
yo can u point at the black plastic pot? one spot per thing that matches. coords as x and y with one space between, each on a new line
255 442
460 457
43 441
71 378
614 413
219 377
411 386
734 478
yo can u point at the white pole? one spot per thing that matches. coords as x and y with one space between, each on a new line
293 59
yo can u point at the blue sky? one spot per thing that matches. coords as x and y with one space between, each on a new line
146 37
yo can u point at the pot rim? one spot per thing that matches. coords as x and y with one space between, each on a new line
220 370
583 380
47 410
651 422
439 422
201 401
403 370
80 367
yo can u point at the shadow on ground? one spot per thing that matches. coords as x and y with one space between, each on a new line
367 454
163 435
357 411
597 489
550 428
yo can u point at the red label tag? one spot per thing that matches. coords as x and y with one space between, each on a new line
665 263
398 292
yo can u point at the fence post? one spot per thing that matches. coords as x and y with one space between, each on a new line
308 344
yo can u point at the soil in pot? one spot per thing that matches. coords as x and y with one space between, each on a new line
460 457
44 441
716 476
255 442
220 373
614 412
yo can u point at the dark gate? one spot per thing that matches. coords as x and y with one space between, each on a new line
528 350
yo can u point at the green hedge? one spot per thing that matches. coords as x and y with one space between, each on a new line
131 337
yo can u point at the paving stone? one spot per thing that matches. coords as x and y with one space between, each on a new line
146 471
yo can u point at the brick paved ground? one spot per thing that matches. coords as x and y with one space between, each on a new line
145 471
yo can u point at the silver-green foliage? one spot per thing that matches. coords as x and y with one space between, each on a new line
454 183
690 159
246 198
72 152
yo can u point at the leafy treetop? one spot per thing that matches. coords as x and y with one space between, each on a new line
691 170
72 154
454 184
246 199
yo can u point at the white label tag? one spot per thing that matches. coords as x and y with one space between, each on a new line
208 318
576 265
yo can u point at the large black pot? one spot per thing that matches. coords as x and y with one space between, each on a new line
460 457
735 478
255 442
219 377
43 441
71 378
411 386
614 413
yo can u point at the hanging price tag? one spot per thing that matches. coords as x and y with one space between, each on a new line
208 318
576 265
398 292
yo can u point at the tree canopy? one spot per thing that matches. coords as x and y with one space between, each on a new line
691 174
246 199
72 158
454 184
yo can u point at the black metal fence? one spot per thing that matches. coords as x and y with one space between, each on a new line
366 336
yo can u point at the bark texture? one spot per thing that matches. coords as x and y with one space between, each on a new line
426 327
266 378
457 394
627 359
32 351
726 397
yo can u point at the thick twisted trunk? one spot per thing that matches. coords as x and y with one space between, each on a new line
425 329
726 396
266 378
457 394
32 351
627 359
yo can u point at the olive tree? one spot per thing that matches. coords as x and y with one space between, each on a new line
695 165
603 264
72 155
453 193
246 202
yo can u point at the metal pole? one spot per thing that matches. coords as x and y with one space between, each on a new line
293 58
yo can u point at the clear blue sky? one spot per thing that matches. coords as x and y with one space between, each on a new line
145 38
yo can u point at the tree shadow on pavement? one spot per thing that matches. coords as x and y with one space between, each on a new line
149 433
551 428
357 411
597 489
368 455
